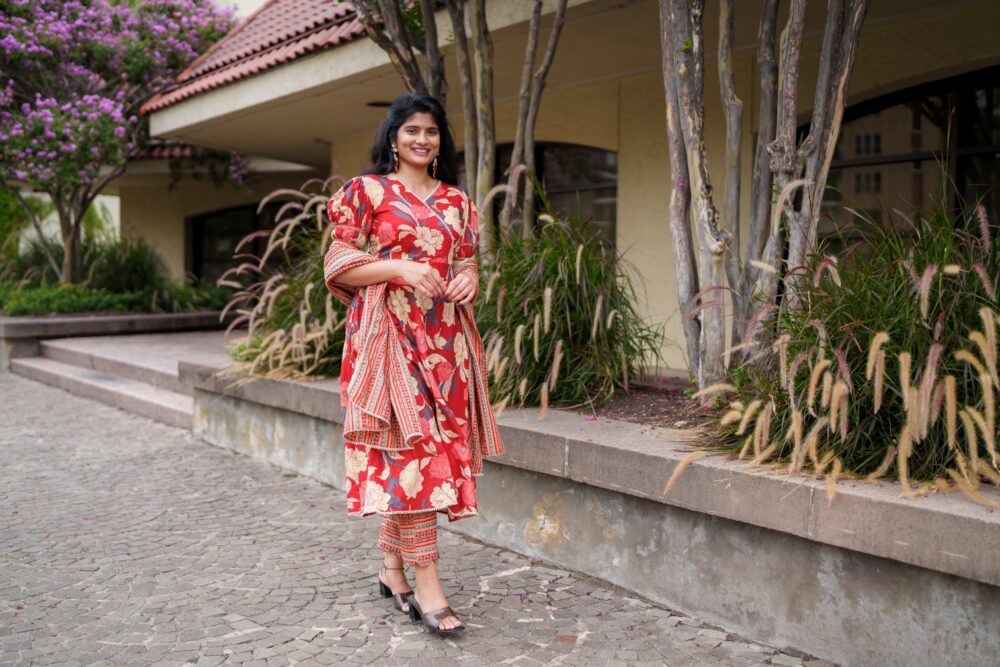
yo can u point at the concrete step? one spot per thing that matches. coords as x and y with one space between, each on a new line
127 394
123 362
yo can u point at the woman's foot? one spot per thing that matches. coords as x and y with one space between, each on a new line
430 597
392 579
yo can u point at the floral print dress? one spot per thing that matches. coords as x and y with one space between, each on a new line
435 474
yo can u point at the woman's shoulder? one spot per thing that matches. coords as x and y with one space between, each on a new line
363 181
368 186
457 194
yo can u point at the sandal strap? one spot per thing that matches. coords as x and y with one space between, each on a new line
439 615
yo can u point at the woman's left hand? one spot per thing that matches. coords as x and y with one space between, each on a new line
462 289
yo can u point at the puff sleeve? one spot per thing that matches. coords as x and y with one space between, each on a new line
351 215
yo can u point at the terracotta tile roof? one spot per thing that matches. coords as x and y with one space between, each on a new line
279 32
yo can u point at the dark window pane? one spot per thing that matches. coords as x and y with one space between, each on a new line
979 116
214 237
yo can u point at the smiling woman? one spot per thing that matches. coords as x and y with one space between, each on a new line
418 418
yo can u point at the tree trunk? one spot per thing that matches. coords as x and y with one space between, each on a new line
433 61
685 265
524 101
840 42
732 107
755 281
689 73
69 227
786 163
538 85
456 9
483 58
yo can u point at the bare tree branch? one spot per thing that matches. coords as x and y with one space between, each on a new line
396 47
37 225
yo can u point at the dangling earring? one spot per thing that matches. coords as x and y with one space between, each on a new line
395 159
434 167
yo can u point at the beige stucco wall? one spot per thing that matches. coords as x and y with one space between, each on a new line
156 213
627 114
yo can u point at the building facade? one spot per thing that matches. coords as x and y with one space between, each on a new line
299 82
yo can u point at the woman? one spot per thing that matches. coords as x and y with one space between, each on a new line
418 418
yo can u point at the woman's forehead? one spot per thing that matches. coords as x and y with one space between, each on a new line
420 119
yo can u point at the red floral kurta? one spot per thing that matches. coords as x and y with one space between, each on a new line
434 469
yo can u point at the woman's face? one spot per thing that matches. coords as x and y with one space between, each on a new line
418 140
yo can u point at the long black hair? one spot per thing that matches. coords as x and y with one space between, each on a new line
402 108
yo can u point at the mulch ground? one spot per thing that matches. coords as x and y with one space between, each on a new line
665 404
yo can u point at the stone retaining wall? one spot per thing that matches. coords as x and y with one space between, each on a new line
868 579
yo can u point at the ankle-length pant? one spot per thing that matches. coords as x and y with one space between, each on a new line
411 536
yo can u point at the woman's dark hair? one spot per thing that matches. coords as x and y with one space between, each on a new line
402 108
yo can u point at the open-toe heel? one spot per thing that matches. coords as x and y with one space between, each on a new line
398 599
432 619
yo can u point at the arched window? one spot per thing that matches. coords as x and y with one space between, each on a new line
579 181
892 150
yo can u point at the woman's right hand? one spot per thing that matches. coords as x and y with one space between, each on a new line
422 277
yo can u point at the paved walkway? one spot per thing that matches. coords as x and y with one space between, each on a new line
124 541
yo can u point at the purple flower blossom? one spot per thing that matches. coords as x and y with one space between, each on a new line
72 83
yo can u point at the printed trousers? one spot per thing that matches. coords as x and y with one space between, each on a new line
411 536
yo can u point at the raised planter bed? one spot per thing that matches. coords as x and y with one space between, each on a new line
19 336
867 579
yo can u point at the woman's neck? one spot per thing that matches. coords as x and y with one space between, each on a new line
414 176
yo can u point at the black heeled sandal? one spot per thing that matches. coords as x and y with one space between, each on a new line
432 619
398 599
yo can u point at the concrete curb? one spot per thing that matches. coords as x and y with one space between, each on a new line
19 336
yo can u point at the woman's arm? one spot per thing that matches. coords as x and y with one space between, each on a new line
421 276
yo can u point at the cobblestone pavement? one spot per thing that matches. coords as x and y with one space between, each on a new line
124 541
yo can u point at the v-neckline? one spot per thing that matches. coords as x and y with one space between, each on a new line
414 194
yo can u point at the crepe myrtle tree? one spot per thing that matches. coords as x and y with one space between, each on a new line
714 259
73 75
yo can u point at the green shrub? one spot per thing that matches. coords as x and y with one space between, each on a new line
558 319
122 265
65 299
121 275
890 365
